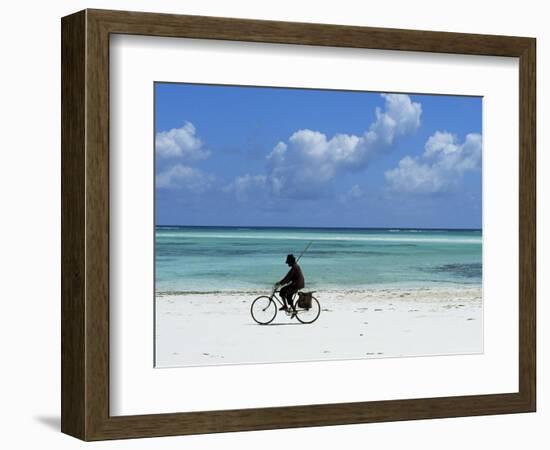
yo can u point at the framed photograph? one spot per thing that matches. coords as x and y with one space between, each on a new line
273 225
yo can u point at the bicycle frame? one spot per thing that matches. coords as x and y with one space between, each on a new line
278 298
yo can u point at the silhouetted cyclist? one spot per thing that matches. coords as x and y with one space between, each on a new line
293 282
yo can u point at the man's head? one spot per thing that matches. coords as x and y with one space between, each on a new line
290 260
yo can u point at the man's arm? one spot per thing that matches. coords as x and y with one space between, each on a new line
288 277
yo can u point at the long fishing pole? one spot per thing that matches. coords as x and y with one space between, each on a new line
305 250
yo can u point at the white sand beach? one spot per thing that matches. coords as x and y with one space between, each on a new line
217 328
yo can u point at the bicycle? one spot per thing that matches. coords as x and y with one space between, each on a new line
265 307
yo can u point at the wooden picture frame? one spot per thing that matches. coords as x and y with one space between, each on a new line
85 224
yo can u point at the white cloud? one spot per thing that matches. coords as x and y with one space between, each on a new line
412 176
309 160
441 166
180 143
246 186
184 177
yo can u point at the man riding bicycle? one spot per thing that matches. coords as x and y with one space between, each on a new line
292 282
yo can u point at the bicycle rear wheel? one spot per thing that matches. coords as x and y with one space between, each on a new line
263 310
309 315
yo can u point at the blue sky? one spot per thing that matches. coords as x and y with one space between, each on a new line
249 156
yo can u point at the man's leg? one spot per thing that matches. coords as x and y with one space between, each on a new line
291 292
284 295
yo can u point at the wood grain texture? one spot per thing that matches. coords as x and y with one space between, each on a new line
85 224
201 27
73 108
527 224
97 225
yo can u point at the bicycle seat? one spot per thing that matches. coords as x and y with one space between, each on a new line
306 292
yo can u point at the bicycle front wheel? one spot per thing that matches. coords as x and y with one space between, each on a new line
263 310
309 315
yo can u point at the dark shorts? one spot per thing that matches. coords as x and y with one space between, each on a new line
288 291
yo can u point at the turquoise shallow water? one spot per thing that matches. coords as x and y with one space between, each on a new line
208 259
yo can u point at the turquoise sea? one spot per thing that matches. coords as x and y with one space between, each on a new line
212 259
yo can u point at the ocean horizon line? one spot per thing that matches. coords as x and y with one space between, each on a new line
237 227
